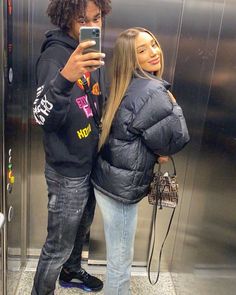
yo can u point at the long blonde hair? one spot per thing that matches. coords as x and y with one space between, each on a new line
124 65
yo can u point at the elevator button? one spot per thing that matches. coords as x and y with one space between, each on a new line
9 188
10 75
12 179
10 214
10 174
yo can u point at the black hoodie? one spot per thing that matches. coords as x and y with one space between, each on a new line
62 109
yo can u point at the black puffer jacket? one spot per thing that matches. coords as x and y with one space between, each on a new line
146 124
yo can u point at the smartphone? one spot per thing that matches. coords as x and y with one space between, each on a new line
91 33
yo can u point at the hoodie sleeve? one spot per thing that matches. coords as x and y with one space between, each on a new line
161 124
52 101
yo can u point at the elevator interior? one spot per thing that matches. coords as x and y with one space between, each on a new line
199 42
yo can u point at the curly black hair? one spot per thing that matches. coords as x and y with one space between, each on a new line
62 12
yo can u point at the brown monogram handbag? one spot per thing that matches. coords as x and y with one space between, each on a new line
163 193
164 188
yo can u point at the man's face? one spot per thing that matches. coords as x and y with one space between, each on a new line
92 18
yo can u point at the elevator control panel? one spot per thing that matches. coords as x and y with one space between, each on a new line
10 172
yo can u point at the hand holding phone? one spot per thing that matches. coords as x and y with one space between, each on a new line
79 63
91 34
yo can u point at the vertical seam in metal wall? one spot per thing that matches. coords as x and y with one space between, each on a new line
177 43
217 47
25 126
31 73
172 83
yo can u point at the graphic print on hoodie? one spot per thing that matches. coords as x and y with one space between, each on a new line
62 109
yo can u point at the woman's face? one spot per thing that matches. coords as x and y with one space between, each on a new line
148 52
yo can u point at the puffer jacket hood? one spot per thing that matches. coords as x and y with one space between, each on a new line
146 124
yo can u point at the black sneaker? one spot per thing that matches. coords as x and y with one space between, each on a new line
80 279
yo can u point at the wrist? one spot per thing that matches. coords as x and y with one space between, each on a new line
66 75
63 83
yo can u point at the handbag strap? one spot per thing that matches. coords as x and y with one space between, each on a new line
154 217
173 163
91 103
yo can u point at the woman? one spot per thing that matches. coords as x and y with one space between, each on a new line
142 121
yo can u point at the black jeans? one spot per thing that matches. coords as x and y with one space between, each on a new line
71 205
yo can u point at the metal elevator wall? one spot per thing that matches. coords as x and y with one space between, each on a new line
15 142
199 42
205 245
2 267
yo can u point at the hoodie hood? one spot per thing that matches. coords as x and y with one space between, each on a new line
60 37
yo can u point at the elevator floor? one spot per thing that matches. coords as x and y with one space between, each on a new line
139 284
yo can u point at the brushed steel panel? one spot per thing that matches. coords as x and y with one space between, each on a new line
204 256
2 176
16 139
195 64
37 207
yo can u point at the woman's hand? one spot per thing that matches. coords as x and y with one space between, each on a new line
163 159
171 97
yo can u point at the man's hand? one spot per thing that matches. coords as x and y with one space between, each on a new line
78 63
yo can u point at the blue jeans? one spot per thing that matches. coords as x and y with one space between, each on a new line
120 222
71 206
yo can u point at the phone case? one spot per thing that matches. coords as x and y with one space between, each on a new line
91 33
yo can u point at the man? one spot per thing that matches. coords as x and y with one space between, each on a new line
70 140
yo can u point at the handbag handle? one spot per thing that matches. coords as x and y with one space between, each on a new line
173 163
